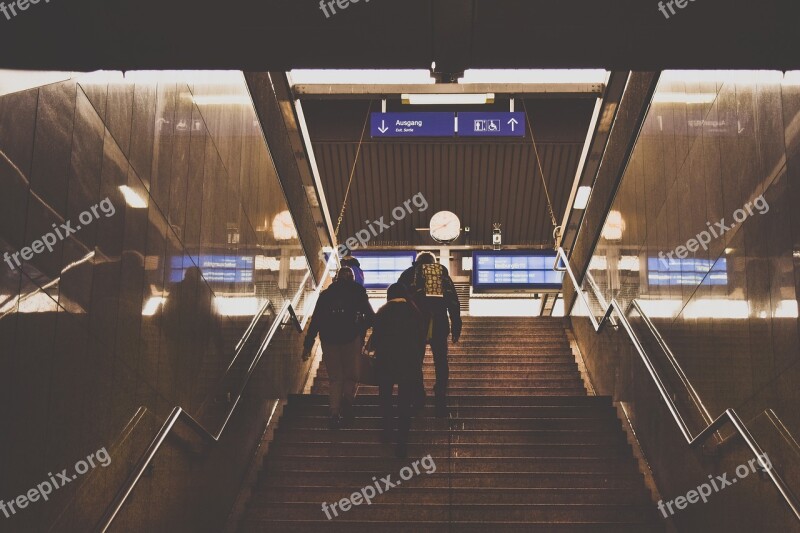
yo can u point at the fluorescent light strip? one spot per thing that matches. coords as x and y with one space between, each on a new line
684 98
189 77
534 76
448 99
722 76
222 99
354 77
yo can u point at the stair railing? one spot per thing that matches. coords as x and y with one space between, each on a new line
285 315
713 426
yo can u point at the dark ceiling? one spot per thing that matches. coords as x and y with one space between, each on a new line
261 35
481 181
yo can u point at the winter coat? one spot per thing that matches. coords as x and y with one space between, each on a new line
396 340
342 313
435 308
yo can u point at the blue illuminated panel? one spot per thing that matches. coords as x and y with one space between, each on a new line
215 268
515 270
382 269
687 271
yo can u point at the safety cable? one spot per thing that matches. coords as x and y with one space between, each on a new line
352 173
541 170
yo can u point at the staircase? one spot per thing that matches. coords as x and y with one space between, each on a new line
524 449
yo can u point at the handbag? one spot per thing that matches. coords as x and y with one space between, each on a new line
367 366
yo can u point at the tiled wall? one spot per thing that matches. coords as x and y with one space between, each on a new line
85 339
711 143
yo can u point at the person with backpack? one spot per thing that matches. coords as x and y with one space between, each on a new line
434 293
355 266
341 317
399 350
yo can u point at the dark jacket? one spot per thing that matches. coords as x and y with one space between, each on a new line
437 308
328 327
397 344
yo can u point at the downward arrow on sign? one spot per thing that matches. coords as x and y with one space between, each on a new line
383 128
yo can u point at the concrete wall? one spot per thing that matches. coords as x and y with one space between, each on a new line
710 145
83 341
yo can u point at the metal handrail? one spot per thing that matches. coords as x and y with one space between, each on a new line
252 326
729 416
178 413
248 332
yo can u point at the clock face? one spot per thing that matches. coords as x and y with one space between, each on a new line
445 227
283 226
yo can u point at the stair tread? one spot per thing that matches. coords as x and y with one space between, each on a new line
517 406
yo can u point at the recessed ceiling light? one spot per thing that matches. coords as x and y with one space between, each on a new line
356 77
684 98
132 198
582 197
534 76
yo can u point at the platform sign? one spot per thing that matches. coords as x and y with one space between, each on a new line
423 124
491 124
515 269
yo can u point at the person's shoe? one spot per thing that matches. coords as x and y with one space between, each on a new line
335 422
401 450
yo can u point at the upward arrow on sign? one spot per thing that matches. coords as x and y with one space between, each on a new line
491 124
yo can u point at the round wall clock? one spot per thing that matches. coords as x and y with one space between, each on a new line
445 227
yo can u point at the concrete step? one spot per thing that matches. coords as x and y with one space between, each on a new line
474 401
526 465
511 359
509 348
346 448
500 338
523 372
419 526
350 481
460 363
499 390
484 513
497 436
422 423
411 495
458 382
484 411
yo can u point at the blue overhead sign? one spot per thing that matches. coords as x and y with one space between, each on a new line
491 124
413 124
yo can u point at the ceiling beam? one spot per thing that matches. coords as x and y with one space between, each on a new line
592 156
343 91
